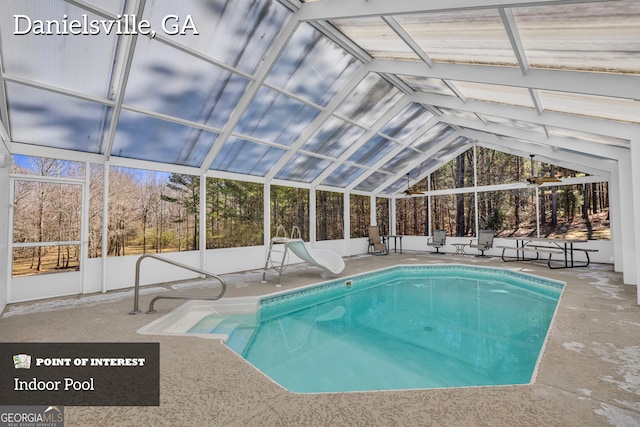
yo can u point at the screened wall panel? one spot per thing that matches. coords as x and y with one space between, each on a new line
359 216
329 215
290 208
411 216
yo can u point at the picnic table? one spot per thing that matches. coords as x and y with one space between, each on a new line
550 246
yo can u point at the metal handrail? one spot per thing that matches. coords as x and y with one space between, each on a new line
136 297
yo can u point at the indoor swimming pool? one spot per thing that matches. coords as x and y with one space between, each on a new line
406 327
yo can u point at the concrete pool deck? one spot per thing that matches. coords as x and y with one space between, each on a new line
589 374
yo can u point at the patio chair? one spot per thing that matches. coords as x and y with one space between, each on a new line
437 240
376 245
484 241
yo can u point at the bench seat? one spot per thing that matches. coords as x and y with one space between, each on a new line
538 249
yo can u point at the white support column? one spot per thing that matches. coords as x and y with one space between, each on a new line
6 225
267 217
105 222
627 223
537 190
615 220
373 219
347 223
84 232
203 221
475 186
635 174
313 216
392 216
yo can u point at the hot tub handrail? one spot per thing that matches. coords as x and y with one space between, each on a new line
136 295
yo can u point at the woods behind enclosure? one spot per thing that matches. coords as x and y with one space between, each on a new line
159 212
580 211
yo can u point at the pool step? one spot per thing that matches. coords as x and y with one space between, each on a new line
240 339
207 325
239 334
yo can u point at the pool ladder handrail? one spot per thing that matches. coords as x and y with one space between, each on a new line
136 297
283 240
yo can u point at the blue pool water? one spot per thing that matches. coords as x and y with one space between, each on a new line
401 328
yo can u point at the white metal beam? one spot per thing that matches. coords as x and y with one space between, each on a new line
333 9
451 155
562 120
514 38
261 74
390 114
592 148
570 160
353 82
120 88
401 146
395 26
626 86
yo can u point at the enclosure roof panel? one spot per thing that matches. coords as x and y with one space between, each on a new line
350 94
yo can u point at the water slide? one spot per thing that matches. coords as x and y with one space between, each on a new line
331 263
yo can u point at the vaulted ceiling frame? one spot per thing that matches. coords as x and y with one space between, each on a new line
514 38
468 4
6 140
169 118
518 49
441 162
397 28
270 58
121 85
601 169
592 148
24 149
452 86
424 155
369 133
391 154
335 9
624 86
57 89
563 120
4 107
93 9
571 157
335 102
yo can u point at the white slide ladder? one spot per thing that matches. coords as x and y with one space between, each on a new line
331 263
